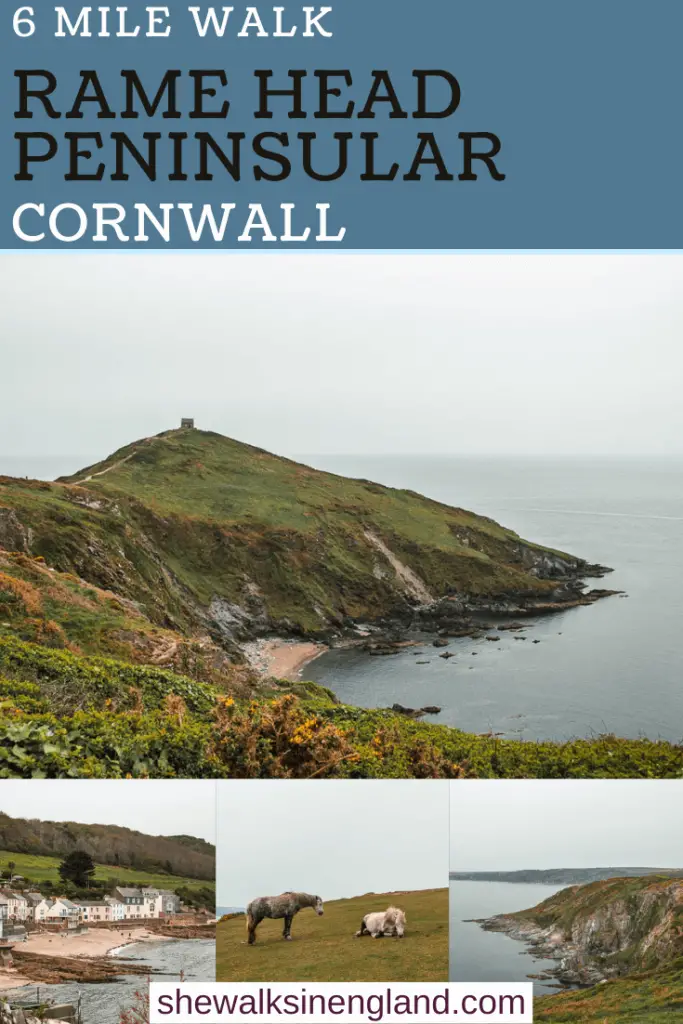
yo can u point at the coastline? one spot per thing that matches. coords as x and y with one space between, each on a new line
96 950
574 968
282 659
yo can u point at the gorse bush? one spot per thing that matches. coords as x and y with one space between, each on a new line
279 740
65 716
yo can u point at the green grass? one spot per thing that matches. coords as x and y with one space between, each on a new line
653 997
40 869
324 948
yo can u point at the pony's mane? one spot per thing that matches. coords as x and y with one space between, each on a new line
394 914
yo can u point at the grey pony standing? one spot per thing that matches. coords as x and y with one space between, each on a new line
286 905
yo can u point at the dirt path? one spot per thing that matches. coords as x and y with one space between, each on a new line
115 465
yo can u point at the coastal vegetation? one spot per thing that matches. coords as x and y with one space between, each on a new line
119 720
129 590
325 948
644 997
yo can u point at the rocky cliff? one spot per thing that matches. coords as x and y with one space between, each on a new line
604 929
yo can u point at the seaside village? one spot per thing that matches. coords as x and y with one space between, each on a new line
21 911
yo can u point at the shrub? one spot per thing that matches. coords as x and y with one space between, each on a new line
278 740
72 682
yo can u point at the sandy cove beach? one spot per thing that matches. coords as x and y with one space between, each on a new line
98 942
283 659
94 942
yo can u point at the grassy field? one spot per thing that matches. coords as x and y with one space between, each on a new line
40 869
324 948
654 997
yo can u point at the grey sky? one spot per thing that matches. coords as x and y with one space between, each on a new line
509 825
335 839
155 807
518 354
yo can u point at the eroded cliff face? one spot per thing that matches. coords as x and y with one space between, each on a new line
603 929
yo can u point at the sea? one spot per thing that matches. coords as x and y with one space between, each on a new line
614 666
480 956
195 959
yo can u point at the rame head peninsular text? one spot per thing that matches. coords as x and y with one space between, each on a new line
184 157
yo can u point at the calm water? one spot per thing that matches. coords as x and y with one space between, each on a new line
476 955
102 1004
615 666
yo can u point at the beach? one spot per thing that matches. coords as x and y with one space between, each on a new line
94 942
282 659
97 942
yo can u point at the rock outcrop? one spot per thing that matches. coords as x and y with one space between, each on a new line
604 929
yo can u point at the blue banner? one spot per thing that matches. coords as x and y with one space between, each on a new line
364 124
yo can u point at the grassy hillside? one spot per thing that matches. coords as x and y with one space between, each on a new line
652 997
205 532
109 844
40 869
324 948
62 611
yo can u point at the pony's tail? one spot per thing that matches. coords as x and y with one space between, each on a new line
250 921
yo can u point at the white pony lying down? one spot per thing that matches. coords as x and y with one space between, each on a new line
383 923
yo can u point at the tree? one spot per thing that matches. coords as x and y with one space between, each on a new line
11 865
77 867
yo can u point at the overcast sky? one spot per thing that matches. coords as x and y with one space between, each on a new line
155 807
509 825
333 839
511 354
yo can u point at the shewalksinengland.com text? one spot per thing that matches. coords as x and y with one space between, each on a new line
346 1003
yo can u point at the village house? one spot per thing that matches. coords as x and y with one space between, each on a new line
63 910
118 908
17 905
94 911
124 904
33 900
164 902
41 909
136 904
